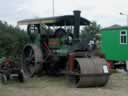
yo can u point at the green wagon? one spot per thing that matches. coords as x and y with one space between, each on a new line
115 45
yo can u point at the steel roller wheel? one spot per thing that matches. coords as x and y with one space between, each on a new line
89 73
32 60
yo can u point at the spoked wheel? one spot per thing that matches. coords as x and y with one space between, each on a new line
32 60
4 78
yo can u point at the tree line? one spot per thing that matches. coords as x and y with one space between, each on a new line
12 40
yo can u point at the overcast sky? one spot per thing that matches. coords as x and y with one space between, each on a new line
105 12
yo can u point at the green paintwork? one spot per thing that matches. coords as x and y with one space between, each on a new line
61 50
111 46
35 39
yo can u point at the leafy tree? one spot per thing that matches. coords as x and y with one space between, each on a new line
90 31
12 40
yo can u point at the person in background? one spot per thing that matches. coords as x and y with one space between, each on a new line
91 45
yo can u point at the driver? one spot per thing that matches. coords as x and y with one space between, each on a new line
60 32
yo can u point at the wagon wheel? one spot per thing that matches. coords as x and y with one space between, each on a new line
126 66
32 60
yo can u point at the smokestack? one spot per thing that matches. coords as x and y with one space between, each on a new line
76 24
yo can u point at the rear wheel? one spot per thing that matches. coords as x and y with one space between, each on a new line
32 60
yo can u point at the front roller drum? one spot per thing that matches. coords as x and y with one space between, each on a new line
89 72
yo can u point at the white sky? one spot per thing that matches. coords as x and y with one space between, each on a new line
105 12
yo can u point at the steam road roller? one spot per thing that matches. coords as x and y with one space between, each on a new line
55 48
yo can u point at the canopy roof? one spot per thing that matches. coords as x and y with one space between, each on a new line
54 21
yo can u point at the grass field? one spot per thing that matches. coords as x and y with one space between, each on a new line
52 86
